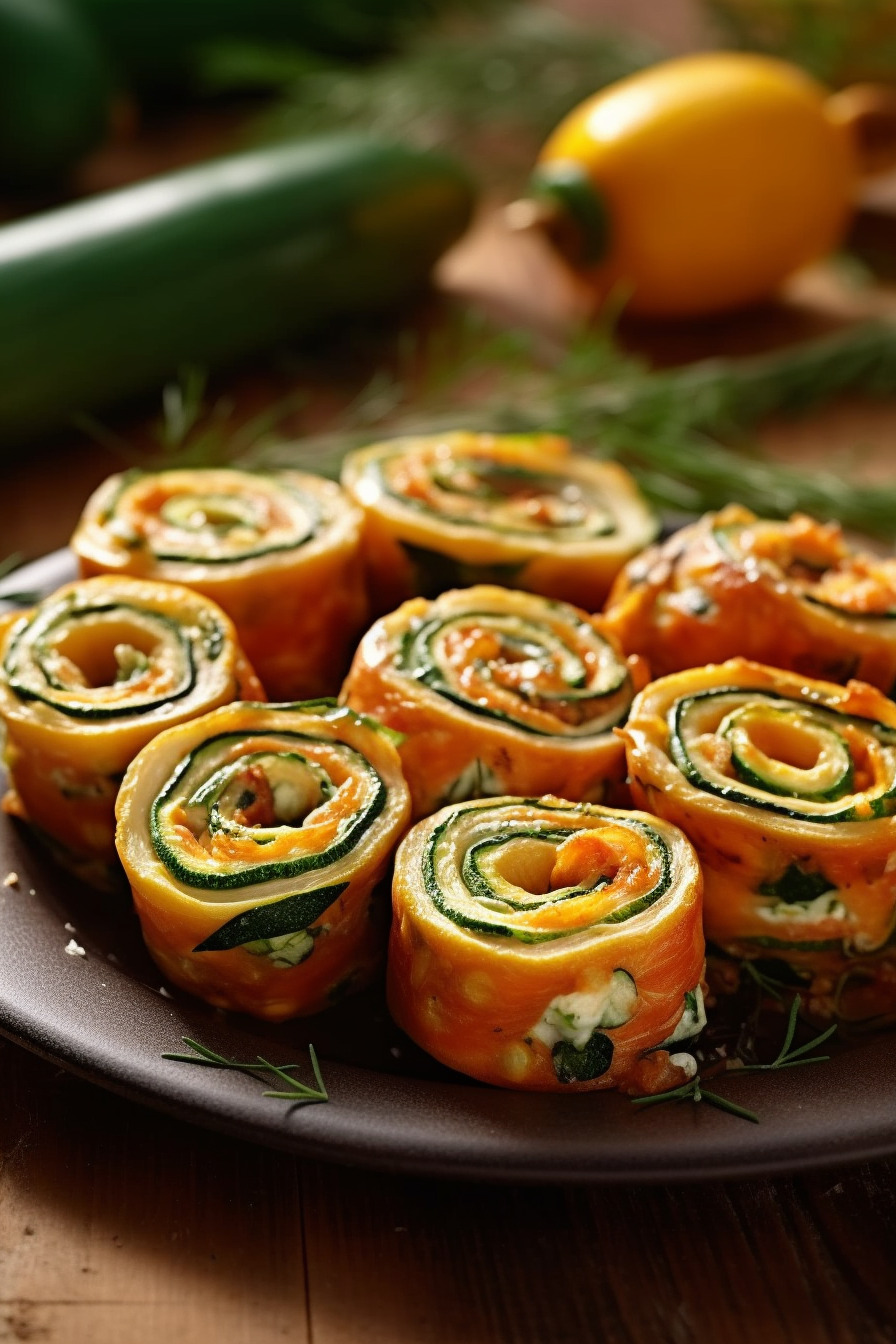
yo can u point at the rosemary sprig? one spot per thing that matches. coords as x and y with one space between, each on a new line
684 433
766 984
695 1091
786 1058
294 1091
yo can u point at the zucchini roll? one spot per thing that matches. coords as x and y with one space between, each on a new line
787 788
496 692
790 594
518 510
549 946
281 553
255 840
86 680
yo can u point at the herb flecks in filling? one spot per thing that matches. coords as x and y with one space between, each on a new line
814 559
244 809
548 673
796 758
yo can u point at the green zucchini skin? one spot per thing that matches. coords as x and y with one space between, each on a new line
109 297
54 91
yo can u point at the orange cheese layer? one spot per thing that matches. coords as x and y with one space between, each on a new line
449 750
474 1000
177 916
298 609
793 595
744 848
64 770
519 538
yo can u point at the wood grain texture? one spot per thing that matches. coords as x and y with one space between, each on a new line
118 1226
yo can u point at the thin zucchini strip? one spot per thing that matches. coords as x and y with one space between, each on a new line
549 946
279 552
496 692
787 788
256 840
518 510
790 594
87 678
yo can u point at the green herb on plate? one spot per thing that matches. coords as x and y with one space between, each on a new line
684 433
786 1058
294 1091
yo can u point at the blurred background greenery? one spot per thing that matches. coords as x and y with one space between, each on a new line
99 93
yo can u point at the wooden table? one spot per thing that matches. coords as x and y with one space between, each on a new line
119 1226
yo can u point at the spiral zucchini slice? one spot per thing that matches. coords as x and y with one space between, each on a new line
86 680
279 552
522 511
496 692
256 840
548 945
787 788
790 594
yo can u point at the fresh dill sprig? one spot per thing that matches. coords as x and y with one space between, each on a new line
193 431
842 43
294 1091
695 1091
684 433
786 1058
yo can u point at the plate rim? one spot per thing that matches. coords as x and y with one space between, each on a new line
392 1122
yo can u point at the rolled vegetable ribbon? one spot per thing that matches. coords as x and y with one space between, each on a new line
519 510
279 552
497 692
549 946
255 840
791 594
787 789
87 678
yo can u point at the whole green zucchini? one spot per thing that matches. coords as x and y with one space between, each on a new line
54 90
110 296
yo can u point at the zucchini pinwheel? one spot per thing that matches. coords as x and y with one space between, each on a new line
787 789
279 552
255 840
519 510
791 594
496 692
549 946
86 680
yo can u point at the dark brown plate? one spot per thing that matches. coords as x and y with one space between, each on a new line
104 1017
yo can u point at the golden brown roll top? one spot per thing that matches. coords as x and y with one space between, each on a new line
787 789
522 511
87 678
256 841
279 551
548 945
494 692
790 594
